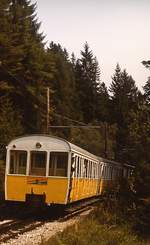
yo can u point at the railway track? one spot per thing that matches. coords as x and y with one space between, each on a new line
15 228
76 210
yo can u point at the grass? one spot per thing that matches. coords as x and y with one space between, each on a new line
103 226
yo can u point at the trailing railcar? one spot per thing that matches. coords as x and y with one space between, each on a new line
54 171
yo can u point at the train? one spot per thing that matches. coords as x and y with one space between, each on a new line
54 171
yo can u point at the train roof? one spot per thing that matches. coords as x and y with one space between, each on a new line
31 142
47 141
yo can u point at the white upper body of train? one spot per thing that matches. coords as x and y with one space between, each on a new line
45 146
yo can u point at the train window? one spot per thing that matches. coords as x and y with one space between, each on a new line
81 167
85 168
97 168
100 170
78 167
18 162
38 163
110 172
104 172
90 169
73 165
58 164
94 170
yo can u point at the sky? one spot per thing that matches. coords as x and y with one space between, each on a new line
117 31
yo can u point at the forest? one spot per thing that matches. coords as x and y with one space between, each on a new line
112 122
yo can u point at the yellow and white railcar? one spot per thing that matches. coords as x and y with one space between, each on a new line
49 168
55 171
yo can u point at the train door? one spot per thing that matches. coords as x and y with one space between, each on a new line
72 174
100 166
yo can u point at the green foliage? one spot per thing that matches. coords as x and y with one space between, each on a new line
146 63
142 180
124 95
10 121
63 83
139 134
100 227
24 61
147 91
124 100
87 82
103 104
88 139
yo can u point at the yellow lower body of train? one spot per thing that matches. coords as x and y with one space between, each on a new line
53 190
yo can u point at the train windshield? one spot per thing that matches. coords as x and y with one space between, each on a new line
18 162
58 164
38 163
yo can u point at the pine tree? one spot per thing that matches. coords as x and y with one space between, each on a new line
147 85
146 63
10 120
124 97
147 91
25 65
63 85
102 103
87 83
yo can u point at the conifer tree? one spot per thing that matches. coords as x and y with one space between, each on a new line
124 97
102 103
147 91
63 85
87 83
147 85
24 62
146 63
10 120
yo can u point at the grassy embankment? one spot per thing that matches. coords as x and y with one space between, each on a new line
108 224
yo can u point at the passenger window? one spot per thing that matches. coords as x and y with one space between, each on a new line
78 167
90 169
104 172
18 162
73 165
58 164
85 168
81 167
94 168
38 163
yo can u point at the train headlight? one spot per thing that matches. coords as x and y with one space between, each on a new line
38 145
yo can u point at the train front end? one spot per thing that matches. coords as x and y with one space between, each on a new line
37 170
